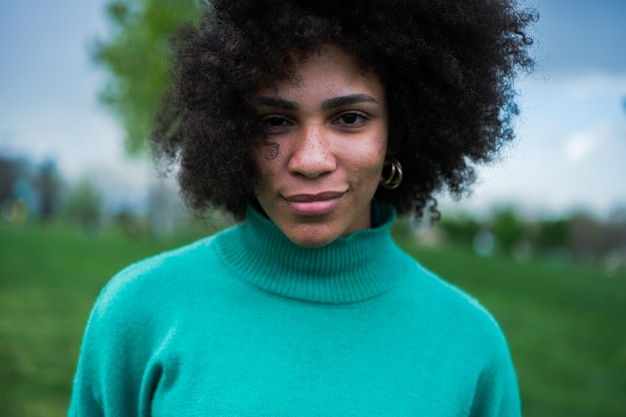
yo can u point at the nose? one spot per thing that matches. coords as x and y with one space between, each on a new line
312 155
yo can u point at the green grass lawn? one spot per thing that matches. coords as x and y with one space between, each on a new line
565 325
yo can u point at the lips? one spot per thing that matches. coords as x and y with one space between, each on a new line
314 204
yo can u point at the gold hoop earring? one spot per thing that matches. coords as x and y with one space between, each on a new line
394 178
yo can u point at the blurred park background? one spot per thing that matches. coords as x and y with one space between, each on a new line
541 241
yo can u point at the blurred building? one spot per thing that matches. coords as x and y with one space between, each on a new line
28 190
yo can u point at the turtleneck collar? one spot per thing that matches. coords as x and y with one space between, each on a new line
363 265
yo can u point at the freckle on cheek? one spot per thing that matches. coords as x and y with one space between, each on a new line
271 151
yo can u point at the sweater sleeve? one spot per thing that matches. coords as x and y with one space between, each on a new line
497 391
113 356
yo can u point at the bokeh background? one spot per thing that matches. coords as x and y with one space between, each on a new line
541 241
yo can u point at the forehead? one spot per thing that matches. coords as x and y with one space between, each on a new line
326 72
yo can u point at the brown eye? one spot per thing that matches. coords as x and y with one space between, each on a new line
351 120
275 121
275 124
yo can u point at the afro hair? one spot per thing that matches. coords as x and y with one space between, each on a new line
447 66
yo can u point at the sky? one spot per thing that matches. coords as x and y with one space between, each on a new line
570 151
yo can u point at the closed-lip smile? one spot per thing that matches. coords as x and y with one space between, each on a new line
306 198
314 204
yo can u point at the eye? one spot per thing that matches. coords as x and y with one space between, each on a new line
351 120
275 124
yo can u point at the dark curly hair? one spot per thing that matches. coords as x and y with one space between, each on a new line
447 67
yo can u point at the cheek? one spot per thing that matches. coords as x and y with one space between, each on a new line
377 159
365 158
270 151
377 152
265 156
368 165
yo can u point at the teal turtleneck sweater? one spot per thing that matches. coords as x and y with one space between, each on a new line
245 323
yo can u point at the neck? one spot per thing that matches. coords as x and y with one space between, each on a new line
360 266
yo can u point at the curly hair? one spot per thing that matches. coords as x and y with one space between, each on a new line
447 68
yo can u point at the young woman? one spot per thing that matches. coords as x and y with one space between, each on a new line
315 123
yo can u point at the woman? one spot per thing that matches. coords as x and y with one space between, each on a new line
315 123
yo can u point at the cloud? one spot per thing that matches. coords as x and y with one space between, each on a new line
579 146
582 144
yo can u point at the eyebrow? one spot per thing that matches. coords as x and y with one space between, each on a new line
328 104
277 103
341 101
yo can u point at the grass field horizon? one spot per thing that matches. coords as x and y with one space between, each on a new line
564 324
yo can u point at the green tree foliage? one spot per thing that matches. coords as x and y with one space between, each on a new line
507 227
84 206
553 234
135 56
49 185
460 228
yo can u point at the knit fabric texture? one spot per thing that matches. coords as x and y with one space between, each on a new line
245 323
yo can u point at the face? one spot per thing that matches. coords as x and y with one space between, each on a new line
327 136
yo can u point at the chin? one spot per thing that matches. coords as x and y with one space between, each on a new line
311 243
311 238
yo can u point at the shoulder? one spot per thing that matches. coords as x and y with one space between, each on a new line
453 312
142 302
157 274
135 313
459 328
150 293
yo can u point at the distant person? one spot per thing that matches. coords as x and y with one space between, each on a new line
315 123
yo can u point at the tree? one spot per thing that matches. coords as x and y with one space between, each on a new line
507 227
84 206
49 186
135 55
460 228
553 234
8 177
